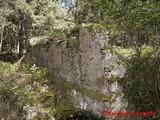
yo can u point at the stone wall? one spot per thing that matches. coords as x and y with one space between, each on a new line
88 62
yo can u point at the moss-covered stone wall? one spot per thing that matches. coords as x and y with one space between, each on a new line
84 61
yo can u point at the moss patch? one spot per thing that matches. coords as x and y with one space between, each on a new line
63 85
93 27
109 99
75 42
91 94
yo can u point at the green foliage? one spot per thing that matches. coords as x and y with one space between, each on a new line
26 19
49 15
148 51
142 76
130 23
15 89
8 92
35 88
140 82
37 73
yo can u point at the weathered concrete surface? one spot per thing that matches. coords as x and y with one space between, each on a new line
86 61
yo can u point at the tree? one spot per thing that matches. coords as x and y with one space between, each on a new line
26 19
2 12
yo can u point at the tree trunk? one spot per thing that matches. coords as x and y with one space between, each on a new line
1 42
22 35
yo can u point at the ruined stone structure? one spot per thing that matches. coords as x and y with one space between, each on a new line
88 62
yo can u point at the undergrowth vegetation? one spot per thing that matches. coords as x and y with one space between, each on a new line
141 81
35 93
